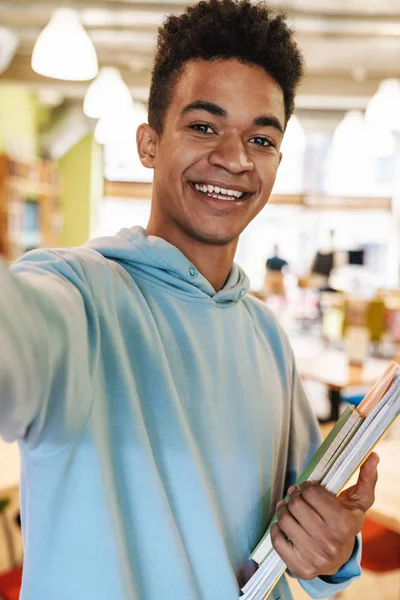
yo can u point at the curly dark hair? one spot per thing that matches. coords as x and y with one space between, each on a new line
213 29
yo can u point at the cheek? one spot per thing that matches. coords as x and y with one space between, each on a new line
175 160
267 173
186 151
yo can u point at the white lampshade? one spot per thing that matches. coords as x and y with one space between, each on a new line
8 47
351 134
107 93
120 125
384 143
350 163
290 177
294 139
358 135
64 50
383 110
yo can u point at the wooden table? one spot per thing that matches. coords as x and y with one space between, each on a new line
331 368
386 509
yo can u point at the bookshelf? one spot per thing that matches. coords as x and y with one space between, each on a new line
30 210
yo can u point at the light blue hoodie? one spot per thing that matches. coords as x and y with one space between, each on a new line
159 423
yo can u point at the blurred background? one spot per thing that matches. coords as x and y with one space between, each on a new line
324 254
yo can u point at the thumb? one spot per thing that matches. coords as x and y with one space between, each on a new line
361 496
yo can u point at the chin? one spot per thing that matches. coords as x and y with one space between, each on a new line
215 238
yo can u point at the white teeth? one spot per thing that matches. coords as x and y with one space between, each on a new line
222 193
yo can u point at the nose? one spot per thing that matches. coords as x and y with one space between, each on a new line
230 154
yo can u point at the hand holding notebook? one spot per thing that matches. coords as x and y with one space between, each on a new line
320 526
344 450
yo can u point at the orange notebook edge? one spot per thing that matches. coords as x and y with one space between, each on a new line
379 388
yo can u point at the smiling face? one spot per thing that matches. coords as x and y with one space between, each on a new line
216 160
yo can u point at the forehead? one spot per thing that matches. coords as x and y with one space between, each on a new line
237 87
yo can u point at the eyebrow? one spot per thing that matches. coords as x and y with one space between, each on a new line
266 121
218 111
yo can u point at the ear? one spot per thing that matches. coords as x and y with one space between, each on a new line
146 140
280 158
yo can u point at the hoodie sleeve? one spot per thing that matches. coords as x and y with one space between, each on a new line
305 438
44 365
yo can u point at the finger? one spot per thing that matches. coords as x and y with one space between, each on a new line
289 554
362 495
307 517
290 527
280 542
323 502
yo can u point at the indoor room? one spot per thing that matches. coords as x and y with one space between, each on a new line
117 375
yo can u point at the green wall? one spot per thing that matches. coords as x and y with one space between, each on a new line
18 120
82 187
21 118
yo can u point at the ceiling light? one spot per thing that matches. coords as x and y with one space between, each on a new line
107 93
50 97
350 165
359 74
383 110
290 178
64 50
120 125
8 47
351 135
294 139
355 135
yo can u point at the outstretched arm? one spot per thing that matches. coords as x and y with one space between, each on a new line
43 344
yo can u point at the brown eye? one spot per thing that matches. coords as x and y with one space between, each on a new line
261 141
202 128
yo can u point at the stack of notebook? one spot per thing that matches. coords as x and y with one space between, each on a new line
344 450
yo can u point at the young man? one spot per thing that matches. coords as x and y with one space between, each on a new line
157 406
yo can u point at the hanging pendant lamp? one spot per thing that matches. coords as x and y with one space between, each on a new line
64 50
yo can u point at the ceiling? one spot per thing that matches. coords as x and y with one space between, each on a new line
349 45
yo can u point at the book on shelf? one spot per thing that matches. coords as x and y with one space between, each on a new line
343 451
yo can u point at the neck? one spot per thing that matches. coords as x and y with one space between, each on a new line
214 262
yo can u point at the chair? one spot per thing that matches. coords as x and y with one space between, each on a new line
10 581
10 584
381 548
275 284
353 394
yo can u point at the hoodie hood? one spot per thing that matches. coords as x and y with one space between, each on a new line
139 253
